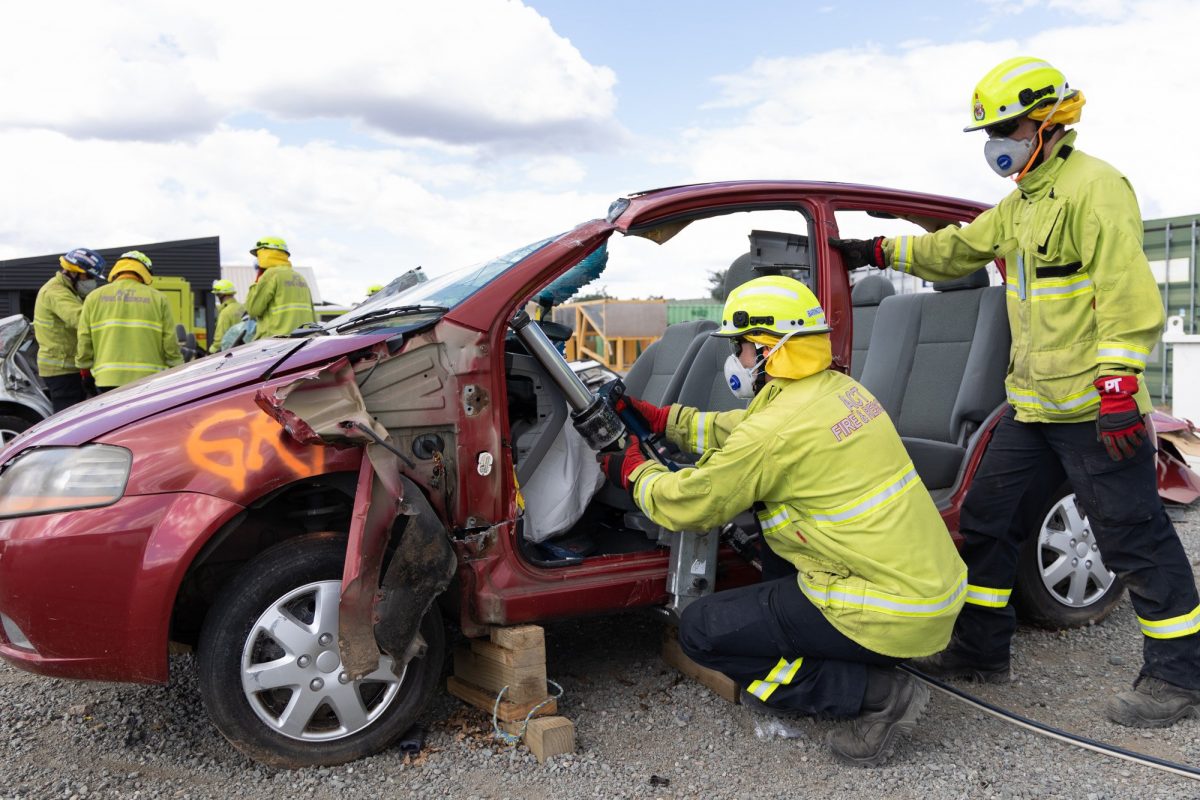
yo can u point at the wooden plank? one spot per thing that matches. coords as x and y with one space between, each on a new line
519 637
720 684
545 736
524 683
530 656
484 701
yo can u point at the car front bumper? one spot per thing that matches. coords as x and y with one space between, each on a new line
90 593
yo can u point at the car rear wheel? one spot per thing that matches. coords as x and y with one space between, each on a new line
270 672
1061 578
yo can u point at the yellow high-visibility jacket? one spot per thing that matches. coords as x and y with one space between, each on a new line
230 313
280 302
55 322
839 498
1082 302
126 332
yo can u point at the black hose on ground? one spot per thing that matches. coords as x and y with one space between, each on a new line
1051 732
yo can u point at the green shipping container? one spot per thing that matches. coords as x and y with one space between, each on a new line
685 312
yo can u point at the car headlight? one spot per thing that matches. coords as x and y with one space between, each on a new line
48 479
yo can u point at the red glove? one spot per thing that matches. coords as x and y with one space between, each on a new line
656 416
618 466
1120 425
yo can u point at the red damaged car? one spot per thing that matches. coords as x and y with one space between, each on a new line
306 511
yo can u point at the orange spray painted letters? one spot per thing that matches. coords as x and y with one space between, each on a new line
237 454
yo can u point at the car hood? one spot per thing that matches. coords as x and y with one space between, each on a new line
188 383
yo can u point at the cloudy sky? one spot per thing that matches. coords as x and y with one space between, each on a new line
379 136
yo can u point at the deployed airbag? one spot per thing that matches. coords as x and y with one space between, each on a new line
561 487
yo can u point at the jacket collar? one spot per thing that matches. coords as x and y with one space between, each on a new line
1041 178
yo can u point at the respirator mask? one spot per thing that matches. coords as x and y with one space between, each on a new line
86 286
1007 156
744 381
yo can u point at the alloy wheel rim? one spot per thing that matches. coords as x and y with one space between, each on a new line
1069 560
292 674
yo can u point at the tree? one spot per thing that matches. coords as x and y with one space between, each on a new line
716 284
598 293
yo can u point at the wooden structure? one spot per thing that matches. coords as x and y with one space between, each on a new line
514 658
612 332
720 684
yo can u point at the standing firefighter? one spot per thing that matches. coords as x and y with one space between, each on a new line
56 323
1085 312
860 574
279 301
126 331
229 310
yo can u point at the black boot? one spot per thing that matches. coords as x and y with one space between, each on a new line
868 741
1153 703
953 664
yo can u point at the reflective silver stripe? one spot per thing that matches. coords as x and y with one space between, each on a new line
1044 291
1123 353
129 367
700 438
128 323
785 671
914 607
762 689
775 521
1172 628
289 307
645 487
778 291
1021 70
901 254
872 501
987 596
1088 397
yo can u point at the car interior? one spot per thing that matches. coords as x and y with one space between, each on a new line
935 360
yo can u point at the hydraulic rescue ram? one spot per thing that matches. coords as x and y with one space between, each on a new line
604 420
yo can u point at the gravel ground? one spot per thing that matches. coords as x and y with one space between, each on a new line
638 727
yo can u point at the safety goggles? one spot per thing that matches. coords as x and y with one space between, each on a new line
1004 129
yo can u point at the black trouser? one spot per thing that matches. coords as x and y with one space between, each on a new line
1131 527
756 634
64 390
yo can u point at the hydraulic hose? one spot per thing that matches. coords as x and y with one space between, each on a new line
1051 732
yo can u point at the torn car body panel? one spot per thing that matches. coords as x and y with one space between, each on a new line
324 407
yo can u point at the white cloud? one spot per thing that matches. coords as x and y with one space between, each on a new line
894 118
476 72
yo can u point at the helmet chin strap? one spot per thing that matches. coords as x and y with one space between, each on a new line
1062 93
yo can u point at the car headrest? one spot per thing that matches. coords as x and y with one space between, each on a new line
870 291
976 280
739 272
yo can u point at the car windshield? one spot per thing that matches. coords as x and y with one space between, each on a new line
11 330
443 292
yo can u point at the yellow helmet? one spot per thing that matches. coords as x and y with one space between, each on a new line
270 243
374 289
772 305
1020 86
223 286
134 261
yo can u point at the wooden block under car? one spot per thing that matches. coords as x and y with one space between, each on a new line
519 637
525 683
486 701
528 657
545 736
717 682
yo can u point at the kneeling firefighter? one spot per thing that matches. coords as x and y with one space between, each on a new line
860 573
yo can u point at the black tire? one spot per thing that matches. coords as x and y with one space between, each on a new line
1046 606
10 425
256 588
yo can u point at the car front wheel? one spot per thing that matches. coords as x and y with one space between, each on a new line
1061 578
270 672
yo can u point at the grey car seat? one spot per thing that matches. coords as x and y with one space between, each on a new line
657 374
865 298
937 364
